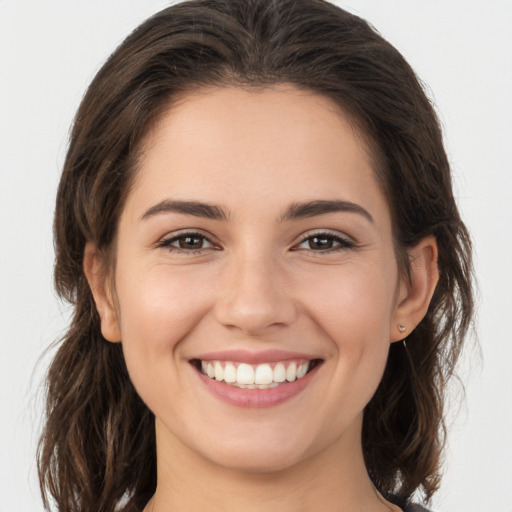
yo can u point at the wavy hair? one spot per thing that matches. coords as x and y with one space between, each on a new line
97 450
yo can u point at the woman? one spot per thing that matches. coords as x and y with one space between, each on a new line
270 279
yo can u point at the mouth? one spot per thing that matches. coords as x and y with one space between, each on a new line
260 376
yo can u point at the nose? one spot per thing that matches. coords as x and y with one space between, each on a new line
255 297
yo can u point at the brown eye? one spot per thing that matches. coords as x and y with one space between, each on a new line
320 243
190 242
324 242
187 242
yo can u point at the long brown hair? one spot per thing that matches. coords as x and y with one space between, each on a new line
97 450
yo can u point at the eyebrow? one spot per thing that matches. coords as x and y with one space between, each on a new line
294 212
322 207
195 208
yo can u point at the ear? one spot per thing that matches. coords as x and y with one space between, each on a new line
96 274
414 294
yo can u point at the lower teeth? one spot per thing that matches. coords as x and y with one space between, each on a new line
253 386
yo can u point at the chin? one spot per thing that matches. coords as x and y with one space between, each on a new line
256 460
261 450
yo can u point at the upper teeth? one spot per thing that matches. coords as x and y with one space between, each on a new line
255 376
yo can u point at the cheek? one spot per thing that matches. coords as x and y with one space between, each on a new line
353 311
158 312
353 304
158 309
159 306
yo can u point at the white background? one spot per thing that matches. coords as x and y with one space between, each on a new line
50 50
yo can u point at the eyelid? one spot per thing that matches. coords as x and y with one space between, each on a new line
165 241
344 241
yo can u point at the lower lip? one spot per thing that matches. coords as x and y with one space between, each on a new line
257 398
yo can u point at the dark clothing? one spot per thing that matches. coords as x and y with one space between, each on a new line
407 506
415 508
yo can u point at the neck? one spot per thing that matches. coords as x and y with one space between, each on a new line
334 479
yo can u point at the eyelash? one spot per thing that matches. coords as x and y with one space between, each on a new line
166 242
343 243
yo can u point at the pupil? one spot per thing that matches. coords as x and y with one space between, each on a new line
320 243
191 242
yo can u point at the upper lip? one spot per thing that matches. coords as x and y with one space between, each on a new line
245 356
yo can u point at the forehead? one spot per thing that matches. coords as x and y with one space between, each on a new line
239 146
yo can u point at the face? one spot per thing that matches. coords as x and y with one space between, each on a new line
255 251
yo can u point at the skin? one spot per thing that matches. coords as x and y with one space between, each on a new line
257 283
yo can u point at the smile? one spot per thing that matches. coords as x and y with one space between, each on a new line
258 376
255 379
